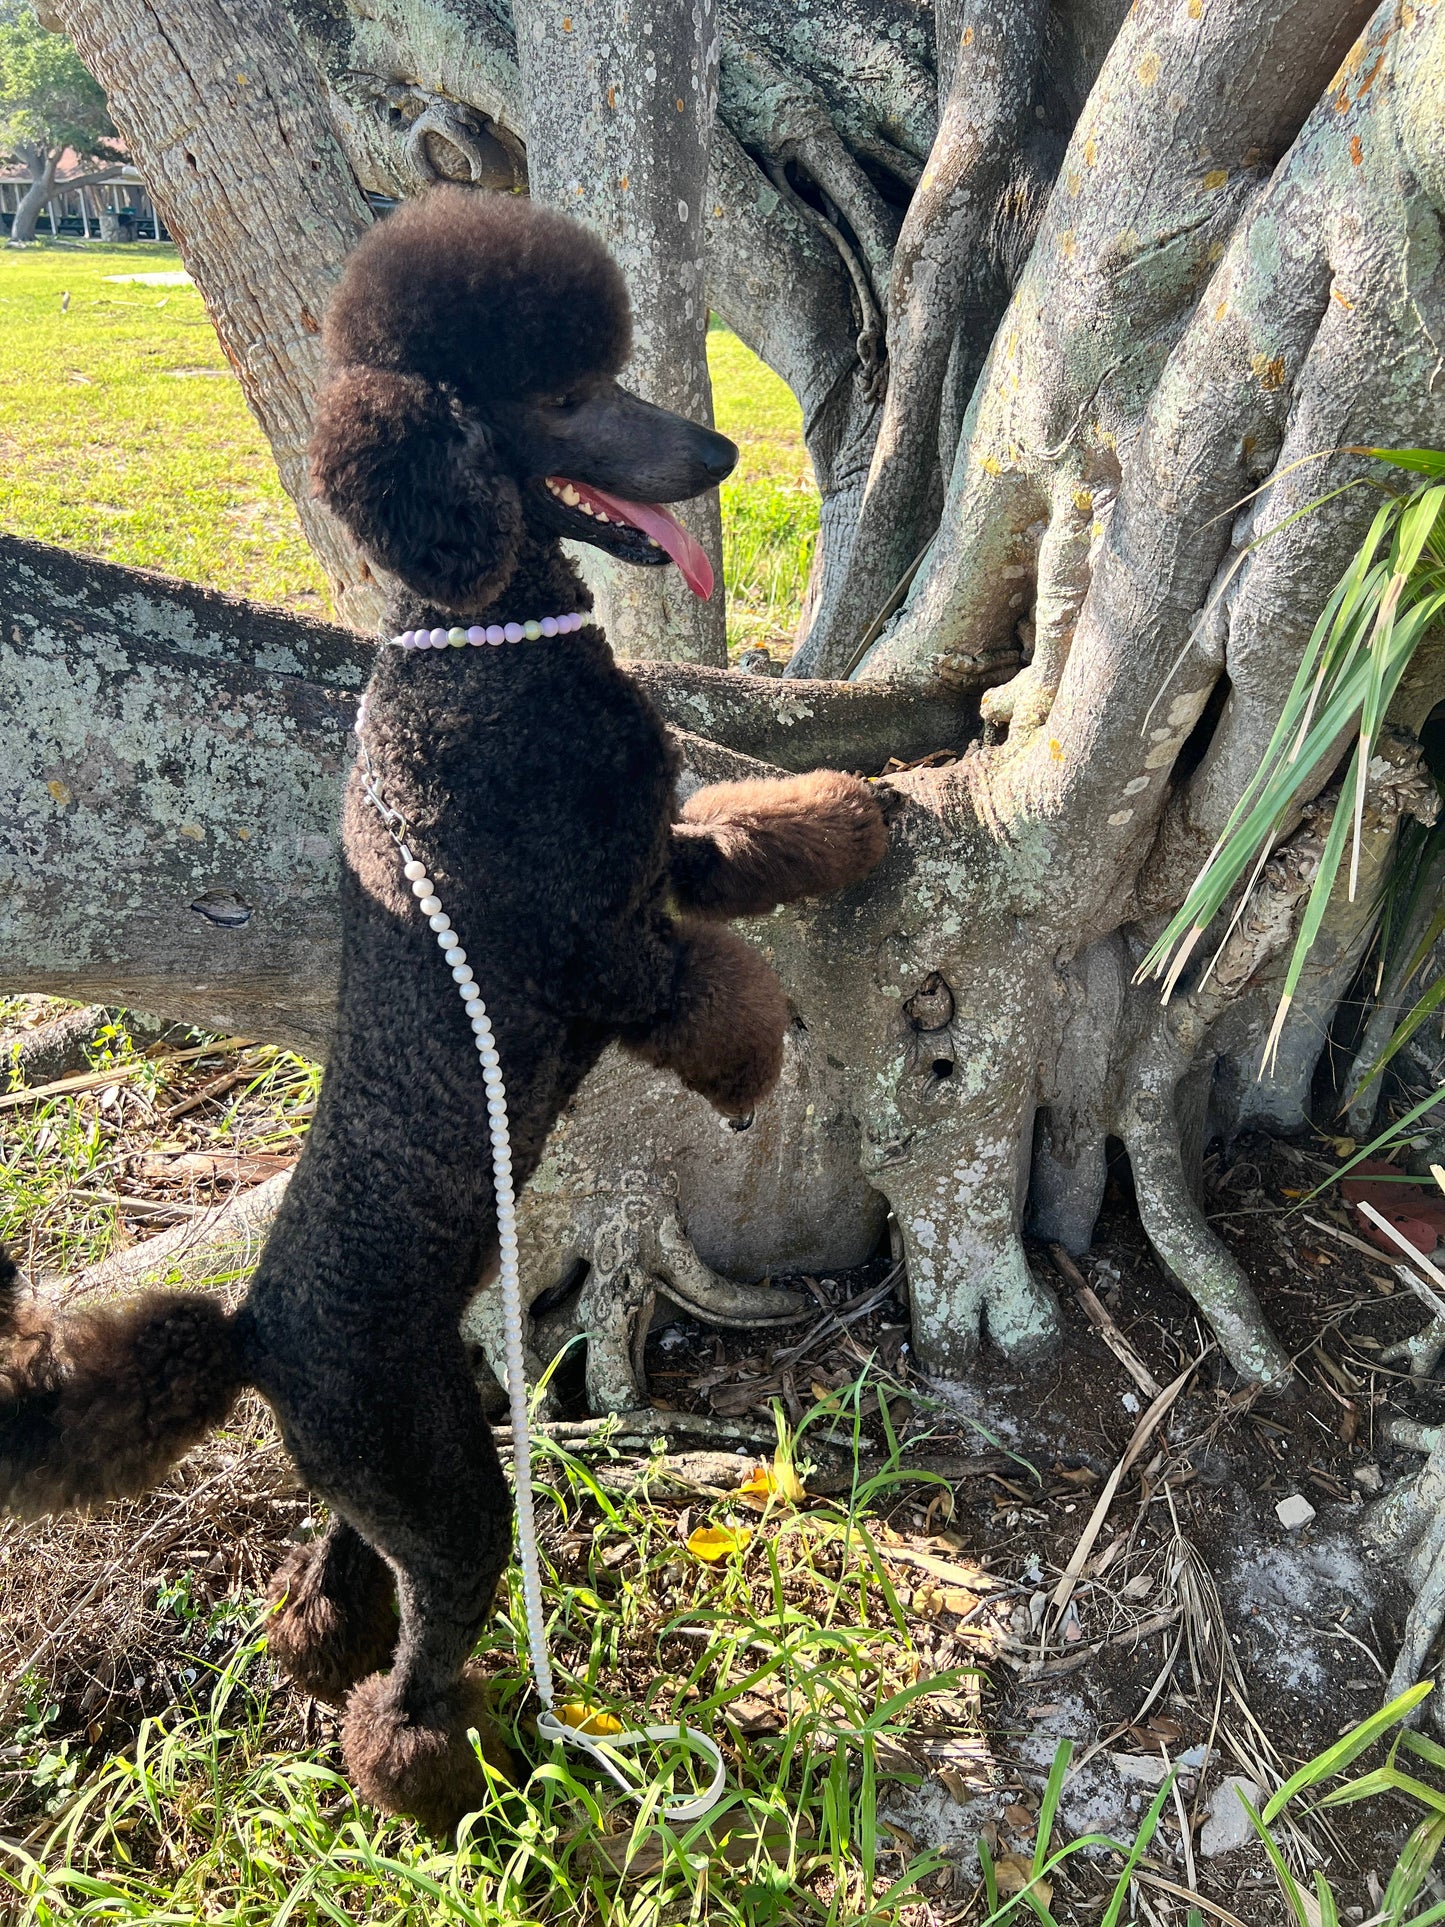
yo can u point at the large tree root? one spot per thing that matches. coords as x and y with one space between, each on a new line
1408 1526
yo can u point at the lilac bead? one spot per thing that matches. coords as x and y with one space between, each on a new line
476 635
514 632
407 638
496 633
438 638
549 625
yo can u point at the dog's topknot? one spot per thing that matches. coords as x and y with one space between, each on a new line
483 291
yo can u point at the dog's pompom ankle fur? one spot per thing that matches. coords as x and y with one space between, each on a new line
334 1617
425 1766
101 1404
724 1038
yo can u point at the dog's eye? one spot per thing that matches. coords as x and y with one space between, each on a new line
562 404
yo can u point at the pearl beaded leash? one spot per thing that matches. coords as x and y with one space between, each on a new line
678 1809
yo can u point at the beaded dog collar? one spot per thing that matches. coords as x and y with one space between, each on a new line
493 633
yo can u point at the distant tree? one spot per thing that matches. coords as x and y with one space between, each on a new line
48 103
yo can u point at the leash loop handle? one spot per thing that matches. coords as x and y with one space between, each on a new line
678 1808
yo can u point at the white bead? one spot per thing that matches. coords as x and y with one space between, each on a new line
456 954
491 1073
441 921
490 1059
475 1007
414 871
462 974
480 1024
421 886
447 938
430 905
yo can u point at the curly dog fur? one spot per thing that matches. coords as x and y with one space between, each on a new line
473 346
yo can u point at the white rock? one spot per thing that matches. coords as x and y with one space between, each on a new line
1142 1769
1227 1826
1294 1512
1369 1477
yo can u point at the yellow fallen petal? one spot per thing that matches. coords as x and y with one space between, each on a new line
716 1542
577 1714
770 1477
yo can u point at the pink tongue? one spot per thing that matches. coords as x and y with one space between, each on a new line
686 551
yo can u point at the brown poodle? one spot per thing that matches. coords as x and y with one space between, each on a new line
471 419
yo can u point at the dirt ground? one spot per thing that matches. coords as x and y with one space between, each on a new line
1200 1629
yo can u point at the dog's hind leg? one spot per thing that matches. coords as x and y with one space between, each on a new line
740 849
334 1617
403 1453
723 1031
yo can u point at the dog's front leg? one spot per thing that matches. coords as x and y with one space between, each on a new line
740 849
722 1029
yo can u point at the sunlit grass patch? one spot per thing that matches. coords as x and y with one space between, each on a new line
123 434
770 503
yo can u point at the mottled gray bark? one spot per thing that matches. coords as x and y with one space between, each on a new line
620 103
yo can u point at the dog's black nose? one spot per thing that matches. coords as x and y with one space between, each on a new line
719 456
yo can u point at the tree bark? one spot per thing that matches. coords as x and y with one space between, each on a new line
242 161
621 100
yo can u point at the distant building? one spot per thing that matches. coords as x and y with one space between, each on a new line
93 200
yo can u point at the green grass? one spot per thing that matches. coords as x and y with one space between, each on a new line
123 434
207 1815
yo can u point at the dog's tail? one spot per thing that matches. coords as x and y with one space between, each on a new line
100 1405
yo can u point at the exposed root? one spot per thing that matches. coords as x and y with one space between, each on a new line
1408 1526
1420 1353
1196 1258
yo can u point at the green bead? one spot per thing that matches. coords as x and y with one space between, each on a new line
457 638
532 631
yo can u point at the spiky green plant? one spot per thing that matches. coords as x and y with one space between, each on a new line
1361 646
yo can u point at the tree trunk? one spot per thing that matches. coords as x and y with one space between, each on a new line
621 100
41 167
214 103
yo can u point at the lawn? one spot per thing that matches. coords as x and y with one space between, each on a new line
123 434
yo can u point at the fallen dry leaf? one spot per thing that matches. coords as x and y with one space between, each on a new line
1014 1874
749 1714
957 1785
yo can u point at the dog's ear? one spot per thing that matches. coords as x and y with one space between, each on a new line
416 482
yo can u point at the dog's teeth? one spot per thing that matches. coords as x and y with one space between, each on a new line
602 515
653 543
569 495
